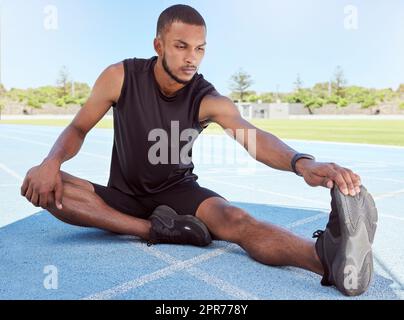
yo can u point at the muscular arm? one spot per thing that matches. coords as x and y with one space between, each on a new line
104 94
43 180
273 152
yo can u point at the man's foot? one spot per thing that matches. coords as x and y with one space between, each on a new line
169 227
345 247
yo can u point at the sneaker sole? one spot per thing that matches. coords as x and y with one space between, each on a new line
166 212
353 265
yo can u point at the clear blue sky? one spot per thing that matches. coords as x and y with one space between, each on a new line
271 40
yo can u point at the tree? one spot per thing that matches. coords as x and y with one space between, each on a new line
298 83
63 80
1 108
2 89
267 97
339 80
309 98
240 82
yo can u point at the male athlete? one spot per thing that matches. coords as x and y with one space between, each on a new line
160 201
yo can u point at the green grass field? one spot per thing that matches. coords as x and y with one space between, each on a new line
385 132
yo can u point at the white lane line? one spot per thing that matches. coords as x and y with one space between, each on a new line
141 281
36 133
24 140
11 172
220 284
89 138
325 215
50 146
395 278
383 170
376 197
322 203
399 293
388 194
384 179
391 217
306 220
342 144
188 265
360 162
380 146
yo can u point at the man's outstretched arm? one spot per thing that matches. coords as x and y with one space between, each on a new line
273 152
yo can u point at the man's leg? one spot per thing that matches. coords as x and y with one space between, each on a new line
264 242
83 207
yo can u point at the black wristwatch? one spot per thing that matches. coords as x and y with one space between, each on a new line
297 157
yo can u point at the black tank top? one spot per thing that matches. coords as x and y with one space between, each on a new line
141 108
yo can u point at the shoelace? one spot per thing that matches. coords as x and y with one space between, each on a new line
317 234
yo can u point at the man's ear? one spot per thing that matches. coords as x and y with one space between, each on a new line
158 46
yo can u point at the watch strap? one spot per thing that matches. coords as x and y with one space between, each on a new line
297 157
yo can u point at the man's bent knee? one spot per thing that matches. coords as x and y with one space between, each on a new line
62 215
237 221
225 221
84 184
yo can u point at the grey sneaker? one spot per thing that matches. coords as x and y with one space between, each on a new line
345 247
169 227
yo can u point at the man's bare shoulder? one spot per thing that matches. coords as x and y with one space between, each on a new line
115 72
111 81
116 68
214 97
214 104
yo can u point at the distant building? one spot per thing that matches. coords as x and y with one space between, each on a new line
270 110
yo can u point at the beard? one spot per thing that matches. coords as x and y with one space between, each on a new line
171 74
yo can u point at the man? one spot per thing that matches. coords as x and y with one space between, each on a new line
160 201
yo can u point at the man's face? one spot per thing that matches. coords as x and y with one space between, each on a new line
182 50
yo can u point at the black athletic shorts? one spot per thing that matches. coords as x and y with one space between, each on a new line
184 198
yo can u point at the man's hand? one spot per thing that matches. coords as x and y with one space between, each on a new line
42 184
326 174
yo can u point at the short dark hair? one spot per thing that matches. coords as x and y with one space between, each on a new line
179 13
